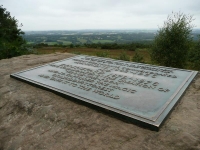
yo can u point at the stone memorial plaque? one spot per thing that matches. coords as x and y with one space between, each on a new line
143 92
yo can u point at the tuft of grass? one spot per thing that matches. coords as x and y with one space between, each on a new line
76 52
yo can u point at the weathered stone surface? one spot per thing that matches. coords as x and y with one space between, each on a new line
32 118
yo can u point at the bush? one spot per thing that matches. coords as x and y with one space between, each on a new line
137 58
171 44
40 45
103 54
123 56
71 46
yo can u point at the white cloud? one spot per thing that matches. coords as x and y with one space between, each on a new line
97 14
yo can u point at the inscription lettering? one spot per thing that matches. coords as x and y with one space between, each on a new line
101 76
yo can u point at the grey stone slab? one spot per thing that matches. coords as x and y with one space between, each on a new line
139 91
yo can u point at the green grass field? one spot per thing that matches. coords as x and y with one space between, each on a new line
63 38
82 40
102 41
51 43
30 42
65 42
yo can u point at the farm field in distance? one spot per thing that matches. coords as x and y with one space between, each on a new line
80 37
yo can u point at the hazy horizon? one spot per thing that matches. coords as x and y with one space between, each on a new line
102 30
92 29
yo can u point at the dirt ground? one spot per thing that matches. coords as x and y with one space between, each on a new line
32 118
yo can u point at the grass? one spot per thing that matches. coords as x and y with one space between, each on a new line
43 37
63 38
65 42
119 37
51 43
30 42
102 41
82 40
94 52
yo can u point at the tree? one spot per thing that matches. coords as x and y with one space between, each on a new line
172 43
11 41
71 45
194 56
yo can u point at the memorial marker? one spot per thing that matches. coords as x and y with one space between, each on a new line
143 92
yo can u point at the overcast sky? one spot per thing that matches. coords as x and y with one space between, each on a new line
97 14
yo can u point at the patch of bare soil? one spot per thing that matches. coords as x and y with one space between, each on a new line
33 118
